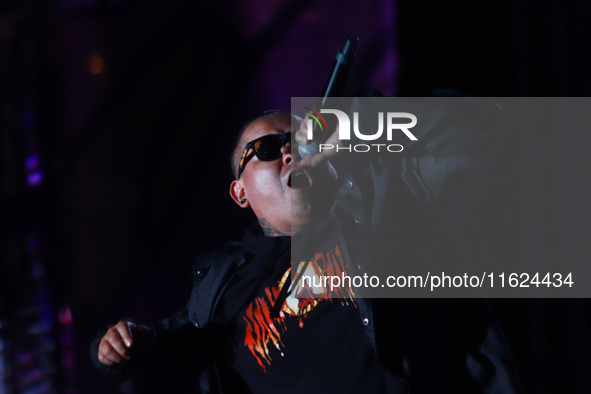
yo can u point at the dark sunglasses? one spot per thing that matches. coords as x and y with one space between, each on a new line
266 148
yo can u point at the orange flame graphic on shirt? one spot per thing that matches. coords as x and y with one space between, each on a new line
263 331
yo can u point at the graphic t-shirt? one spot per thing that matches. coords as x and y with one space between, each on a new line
293 345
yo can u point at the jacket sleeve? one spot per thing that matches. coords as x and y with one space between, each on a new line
457 139
170 362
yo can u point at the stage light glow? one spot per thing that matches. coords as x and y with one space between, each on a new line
35 179
32 162
95 63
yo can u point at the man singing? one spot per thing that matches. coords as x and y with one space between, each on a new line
244 330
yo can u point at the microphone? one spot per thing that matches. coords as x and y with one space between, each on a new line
334 87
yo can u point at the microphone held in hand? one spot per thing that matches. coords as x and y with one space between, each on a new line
335 86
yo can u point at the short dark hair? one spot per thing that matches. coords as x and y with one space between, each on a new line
237 151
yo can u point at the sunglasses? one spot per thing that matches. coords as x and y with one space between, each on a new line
266 148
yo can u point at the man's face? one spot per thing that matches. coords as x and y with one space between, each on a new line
267 186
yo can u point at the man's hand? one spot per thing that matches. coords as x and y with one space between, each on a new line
301 137
121 341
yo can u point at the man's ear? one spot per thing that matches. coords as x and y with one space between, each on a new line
238 194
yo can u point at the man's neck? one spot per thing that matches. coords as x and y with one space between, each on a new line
270 230
289 230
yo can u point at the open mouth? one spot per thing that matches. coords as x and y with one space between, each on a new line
298 179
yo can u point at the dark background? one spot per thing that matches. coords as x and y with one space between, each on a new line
116 123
